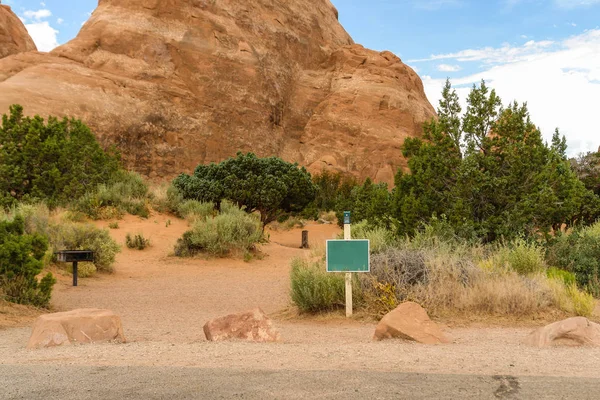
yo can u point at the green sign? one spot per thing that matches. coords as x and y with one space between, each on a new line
348 256
346 217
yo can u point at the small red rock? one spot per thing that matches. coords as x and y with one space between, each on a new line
572 331
253 326
409 321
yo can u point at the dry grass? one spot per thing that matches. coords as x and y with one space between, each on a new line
458 281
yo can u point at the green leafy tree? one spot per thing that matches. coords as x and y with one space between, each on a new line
21 258
369 202
55 161
587 168
432 162
507 181
267 185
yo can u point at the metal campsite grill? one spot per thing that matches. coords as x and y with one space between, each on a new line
75 256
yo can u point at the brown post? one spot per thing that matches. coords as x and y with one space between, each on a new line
304 240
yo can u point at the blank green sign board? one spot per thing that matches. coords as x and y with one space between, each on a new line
348 256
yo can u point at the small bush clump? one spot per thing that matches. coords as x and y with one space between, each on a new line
579 253
128 193
113 225
315 290
231 232
380 237
21 260
137 241
74 236
522 257
194 210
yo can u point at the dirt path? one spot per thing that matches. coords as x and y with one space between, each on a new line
164 302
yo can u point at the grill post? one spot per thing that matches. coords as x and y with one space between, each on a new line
304 240
74 273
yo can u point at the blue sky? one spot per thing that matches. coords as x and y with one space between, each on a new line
545 52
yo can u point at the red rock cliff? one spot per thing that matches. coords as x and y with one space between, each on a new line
13 35
175 83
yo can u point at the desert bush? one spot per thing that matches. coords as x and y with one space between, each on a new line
315 290
127 193
194 210
113 225
74 236
65 235
166 199
328 216
579 253
137 241
268 186
288 223
53 161
21 260
380 237
231 232
566 277
521 256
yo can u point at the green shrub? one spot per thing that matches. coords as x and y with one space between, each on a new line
113 225
137 241
522 257
232 231
268 186
314 290
21 260
195 210
127 193
74 236
167 199
379 237
566 277
54 161
579 253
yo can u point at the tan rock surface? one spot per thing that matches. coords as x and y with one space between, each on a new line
409 321
78 326
575 331
252 326
14 37
176 83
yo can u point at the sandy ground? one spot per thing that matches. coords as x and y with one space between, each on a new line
164 302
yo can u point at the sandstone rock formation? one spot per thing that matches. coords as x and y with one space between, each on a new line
409 321
175 83
13 34
77 326
575 331
252 326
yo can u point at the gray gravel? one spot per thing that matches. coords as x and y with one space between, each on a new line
53 382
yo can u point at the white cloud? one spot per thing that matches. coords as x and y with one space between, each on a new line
43 35
37 15
560 81
491 55
60 21
448 68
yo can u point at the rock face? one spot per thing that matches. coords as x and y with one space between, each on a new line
77 326
409 321
252 326
176 83
572 331
14 38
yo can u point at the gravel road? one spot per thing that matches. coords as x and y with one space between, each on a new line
33 382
